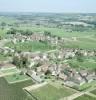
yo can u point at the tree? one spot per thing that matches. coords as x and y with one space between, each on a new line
12 31
79 56
48 72
47 33
21 61
16 61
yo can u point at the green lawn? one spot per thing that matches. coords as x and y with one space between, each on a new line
85 97
31 46
16 78
50 92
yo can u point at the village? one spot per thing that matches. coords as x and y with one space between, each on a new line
47 56
43 66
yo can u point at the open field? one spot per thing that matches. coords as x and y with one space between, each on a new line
2 57
83 65
82 43
31 46
9 70
85 97
16 78
3 33
87 86
94 91
13 91
58 32
50 92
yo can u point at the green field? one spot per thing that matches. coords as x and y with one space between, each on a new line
87 86
58 32
30 46
2 57
85 97
13 91
50 92
82 65
9 70
3 33
94 91
82 43
16 78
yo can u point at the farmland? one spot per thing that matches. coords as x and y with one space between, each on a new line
83 65
85 97
68 66
16 78
31 46
94 91
13 91
50 92
2 57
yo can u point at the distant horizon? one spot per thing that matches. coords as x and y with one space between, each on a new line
49 12
48 6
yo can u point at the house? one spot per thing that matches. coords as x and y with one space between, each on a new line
83 73
34 76
63 76
89 78
77 79
69 54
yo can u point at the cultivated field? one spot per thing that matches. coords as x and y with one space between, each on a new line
85 97
31 46
50 92
13 91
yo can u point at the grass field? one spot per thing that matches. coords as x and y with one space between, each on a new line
50 92
82 43
83 65
87 86
94 91
58 32
85 97
30 46
2 57
9 70
2 33
13 91
16 78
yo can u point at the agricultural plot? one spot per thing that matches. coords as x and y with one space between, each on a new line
9 70
50 92
83 65
57 31
85 97
2 57
2 33
16 78
82 43
13 91
94 91
31 46
87 86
